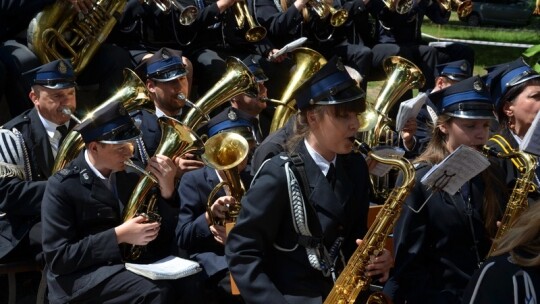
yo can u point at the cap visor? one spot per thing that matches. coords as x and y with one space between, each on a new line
472 114
168 76
59 86
130 134
352 93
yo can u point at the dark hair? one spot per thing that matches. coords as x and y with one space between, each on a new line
510 96
436 151
301 126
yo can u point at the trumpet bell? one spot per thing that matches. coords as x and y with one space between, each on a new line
338 17
225 150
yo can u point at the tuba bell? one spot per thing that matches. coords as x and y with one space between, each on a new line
255 32
464 8
308 62
132 94
224 152
399 6
60 32
188 14
237 79
323 9
176 140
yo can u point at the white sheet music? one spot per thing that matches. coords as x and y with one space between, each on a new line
456 169
169 268
531 140
409 109
378 169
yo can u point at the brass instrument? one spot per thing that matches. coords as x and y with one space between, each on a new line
518 201
132 94
308 62
399 6
255 32
353 279
224 152
60 32
464 8
188 14
237 79
67 111
403 75
323 9
176 140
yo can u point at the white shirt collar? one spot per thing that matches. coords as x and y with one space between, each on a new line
160 113
323 164
96 171
50 126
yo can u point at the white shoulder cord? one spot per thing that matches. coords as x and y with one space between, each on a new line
26 158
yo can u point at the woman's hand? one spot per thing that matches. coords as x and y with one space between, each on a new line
379 264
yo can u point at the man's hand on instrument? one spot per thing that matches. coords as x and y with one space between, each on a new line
186 163
82 6
219 233
136 231
379 264
164 169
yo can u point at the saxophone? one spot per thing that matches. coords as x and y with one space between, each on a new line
353 279
518 201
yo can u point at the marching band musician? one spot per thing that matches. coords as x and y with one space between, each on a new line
37 135
438 246
165 80
515 88
272 256
204 241
82 219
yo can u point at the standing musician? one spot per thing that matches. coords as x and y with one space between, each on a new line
165 80
196 233
515 88
29 150
274 251
439 245
82 219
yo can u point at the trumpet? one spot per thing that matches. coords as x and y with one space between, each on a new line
337 16
464 8
255 33
188 14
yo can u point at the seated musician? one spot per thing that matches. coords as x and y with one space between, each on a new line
196 233
277 252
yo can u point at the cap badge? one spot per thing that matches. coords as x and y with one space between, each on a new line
463 67
253 60
232 115
340 66
332 91
165 56
62 68
478 86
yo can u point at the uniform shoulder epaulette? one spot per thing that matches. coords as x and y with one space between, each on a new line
16 121
66 172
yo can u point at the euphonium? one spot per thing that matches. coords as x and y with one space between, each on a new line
464 8
188 14
353 279
255 32
403 75
132 94
518 201
224 152
323 9
60 32
237 79
399 6
307 63
176 140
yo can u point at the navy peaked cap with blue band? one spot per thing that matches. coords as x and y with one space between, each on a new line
231 120
468 99
505 76
56 74
165 65
455 70
252 62
329 86
110 124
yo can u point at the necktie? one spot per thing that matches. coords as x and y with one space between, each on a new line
331 175
63 132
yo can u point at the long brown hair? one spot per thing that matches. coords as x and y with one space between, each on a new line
522 241
436 151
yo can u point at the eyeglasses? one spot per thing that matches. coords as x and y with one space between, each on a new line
521 77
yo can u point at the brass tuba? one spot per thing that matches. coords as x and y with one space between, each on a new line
399 6
403 75
518 201
188 14
308 62
132 94
323 9
60 32
176 140
464 8
255 32
224 152
353 279
237 79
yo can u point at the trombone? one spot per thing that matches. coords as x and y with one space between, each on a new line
255 33
337 16
188 14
